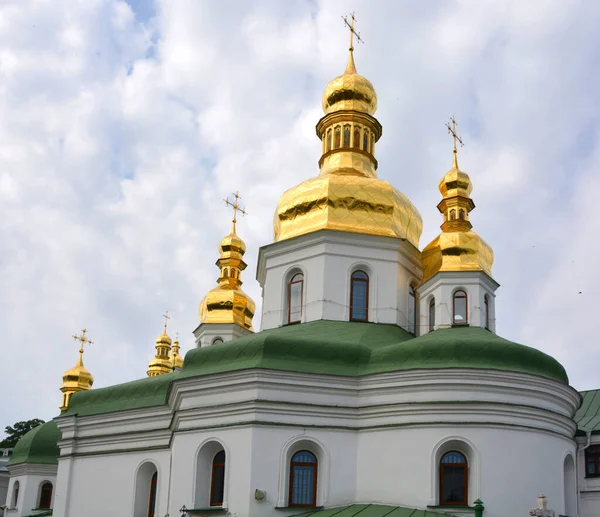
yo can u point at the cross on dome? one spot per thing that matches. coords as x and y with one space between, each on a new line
236 208
353 31
456 138
167 318
83 340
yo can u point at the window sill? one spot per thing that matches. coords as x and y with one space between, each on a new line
207 510
592 476
299 507
450 507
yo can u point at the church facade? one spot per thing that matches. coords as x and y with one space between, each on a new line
377 385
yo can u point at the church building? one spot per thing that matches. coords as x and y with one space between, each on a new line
376 386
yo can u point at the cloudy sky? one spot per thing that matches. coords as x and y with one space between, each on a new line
124 125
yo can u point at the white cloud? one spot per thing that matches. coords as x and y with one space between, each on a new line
119 137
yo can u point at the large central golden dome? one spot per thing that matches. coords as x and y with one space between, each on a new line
347 195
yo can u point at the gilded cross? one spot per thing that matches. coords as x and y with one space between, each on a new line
353 32
452 131
167 318
177 336
236 208
83 340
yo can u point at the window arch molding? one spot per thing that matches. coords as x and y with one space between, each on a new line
569 484
372 285
466 447
291 447
456 295
143 479
203 472
413 318
14 494
45 495
285 293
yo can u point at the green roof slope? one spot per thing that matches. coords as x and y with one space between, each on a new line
466 347
371 510
40 445
587 417
147 392
332 348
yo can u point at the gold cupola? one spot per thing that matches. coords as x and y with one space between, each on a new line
347 195
176 359
227 303
77 378
457 248
161 362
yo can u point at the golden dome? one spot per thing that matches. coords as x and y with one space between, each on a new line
77 378
347 195
350 91
161 362
227 302
176 359
457 248
347 203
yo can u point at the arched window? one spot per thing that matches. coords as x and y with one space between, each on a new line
359 296
461 214
570 491
217 340
225 273
412 310
365 141
303 479
145 491
486 303
15 497
152 495
347 135
329 139
295 298
459 311
217 485
431 314
337 137
372 143
453 214
356 141
45 496
454 478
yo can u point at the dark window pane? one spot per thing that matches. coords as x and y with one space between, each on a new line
218 485
453 483
302 488
295 301
304 457
453 457
359 300
46 496
346 136
460 307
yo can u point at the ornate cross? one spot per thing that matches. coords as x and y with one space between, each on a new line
236 207
83 340
353 32
452 131
167 318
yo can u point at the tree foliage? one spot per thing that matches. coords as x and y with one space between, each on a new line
17 431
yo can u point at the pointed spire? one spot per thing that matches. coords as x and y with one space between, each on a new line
351 67
452 131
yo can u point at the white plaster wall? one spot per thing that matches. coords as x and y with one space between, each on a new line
237 443
589 488
327 258
511 467
29 492
442 286
206 333
104 485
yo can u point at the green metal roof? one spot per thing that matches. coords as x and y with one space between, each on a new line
371 510
333 348
146 392
40 445
587 417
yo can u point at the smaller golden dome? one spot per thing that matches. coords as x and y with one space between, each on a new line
161 362
457 248
176 359
77 378
350 91
232 243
